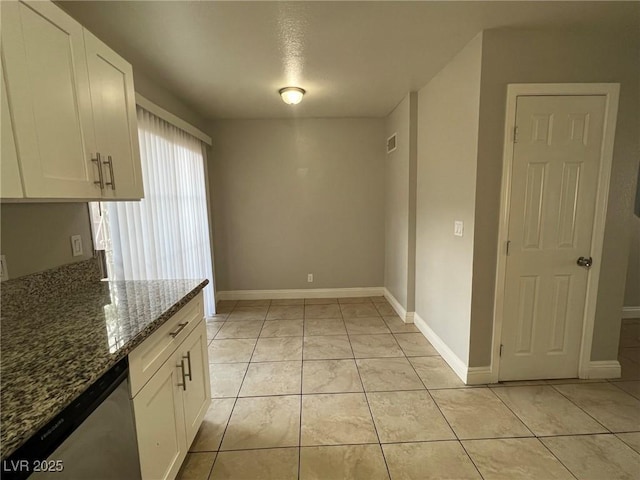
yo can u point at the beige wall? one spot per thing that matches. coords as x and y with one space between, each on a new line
293 197
632 288
400 203
541 57
36 236
413 192
167 100
397 203
448 109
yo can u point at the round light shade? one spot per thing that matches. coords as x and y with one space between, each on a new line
291 95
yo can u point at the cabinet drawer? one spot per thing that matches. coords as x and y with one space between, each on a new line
149 356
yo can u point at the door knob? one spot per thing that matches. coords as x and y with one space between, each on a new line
585 262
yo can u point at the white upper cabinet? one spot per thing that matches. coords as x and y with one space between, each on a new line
72 103
11 184
48 91
114 120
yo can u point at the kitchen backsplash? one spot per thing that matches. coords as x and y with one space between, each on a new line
37 236
33 290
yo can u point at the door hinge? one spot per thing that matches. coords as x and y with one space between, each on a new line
515 134
501 345
508 247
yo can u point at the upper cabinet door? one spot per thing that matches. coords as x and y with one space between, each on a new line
114 119
11 183
48 89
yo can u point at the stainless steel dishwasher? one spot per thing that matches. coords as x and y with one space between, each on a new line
93 438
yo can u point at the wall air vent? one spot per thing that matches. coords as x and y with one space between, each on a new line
392 143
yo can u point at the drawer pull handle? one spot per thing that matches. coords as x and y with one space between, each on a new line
188 358
180 328
98 162
109 163
184 380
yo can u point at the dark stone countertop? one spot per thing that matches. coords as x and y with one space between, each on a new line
52 351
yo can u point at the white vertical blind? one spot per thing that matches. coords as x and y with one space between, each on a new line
165 235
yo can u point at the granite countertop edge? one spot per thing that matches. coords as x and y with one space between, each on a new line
10 445
153 326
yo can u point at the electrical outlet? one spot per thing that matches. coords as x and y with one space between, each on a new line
310 277
4 272
458 228
76 245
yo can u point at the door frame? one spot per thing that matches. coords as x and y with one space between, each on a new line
611 92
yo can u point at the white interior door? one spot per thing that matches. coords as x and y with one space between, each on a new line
556 163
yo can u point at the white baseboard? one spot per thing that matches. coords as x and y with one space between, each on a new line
445 352
300 293
604 369
479 375
397 306
630 312
407 317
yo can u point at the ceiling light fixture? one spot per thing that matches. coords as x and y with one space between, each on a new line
291 95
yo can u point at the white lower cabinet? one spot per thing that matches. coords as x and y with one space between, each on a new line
197 394
159 417
169 409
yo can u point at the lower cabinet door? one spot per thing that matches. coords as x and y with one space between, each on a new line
159 415
197 396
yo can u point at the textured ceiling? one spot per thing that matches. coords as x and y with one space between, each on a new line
228 59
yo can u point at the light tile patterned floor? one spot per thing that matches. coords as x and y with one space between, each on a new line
343 389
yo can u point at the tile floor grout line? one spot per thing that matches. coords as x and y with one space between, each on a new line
622 389
434 401
627 444
471 458
535 435
511 410
375 428
457 438
445 419
234 407
301 390
211 469
557 458
340 358
241 338
479 439
373 421
593 434
256 449
582 409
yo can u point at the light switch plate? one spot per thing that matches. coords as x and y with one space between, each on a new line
4 272
76 245
458 228
310 277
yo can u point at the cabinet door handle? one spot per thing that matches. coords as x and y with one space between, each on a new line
184 380
109 163
188 358
180 328
98 162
